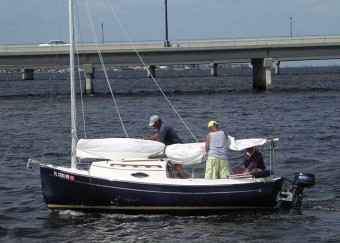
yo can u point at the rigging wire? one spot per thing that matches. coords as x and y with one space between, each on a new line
53 83
104 68
150 73
49 103
79 74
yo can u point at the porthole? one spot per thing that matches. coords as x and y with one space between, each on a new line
140 175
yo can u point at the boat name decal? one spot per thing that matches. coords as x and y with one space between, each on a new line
63 175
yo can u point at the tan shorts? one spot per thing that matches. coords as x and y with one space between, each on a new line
216 168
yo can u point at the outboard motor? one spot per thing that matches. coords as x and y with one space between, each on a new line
291 195
301 181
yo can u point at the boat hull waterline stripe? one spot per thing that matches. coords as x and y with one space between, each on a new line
151 208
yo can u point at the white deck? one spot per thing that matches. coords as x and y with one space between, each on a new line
154 170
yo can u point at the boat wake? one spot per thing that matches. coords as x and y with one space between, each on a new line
326 207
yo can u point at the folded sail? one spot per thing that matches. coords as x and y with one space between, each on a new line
125 148
118 148
186 153
242 144
192 153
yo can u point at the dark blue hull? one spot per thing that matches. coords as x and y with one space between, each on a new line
78 192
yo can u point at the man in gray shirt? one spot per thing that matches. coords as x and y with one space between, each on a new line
167 135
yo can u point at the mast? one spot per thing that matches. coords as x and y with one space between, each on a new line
72 83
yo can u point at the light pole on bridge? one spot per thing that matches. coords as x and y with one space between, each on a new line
103 32
166 43
291 26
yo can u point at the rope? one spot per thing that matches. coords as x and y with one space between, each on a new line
104 68
154 80
49 104
79 75
52 87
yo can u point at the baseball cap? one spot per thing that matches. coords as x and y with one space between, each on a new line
211 123
153 119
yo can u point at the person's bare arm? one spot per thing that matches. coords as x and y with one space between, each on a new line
207 143
152 137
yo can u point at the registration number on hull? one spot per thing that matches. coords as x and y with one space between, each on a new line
63 175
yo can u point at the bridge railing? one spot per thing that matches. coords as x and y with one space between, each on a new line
261 41
231 43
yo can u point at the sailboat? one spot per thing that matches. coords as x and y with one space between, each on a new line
128 175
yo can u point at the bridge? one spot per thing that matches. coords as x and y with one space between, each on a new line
260 52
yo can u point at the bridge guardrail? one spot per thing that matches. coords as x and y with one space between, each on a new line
271 41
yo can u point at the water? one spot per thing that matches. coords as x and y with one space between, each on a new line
302 110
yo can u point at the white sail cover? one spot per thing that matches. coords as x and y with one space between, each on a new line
125 148
242 144
189 153
118 148
185 153
192 153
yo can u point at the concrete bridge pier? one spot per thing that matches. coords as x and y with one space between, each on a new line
151 71
89 75
262 77
213 69
277 67
27 73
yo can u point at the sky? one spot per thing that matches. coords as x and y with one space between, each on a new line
38 21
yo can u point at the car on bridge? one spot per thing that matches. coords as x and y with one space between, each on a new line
54 43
